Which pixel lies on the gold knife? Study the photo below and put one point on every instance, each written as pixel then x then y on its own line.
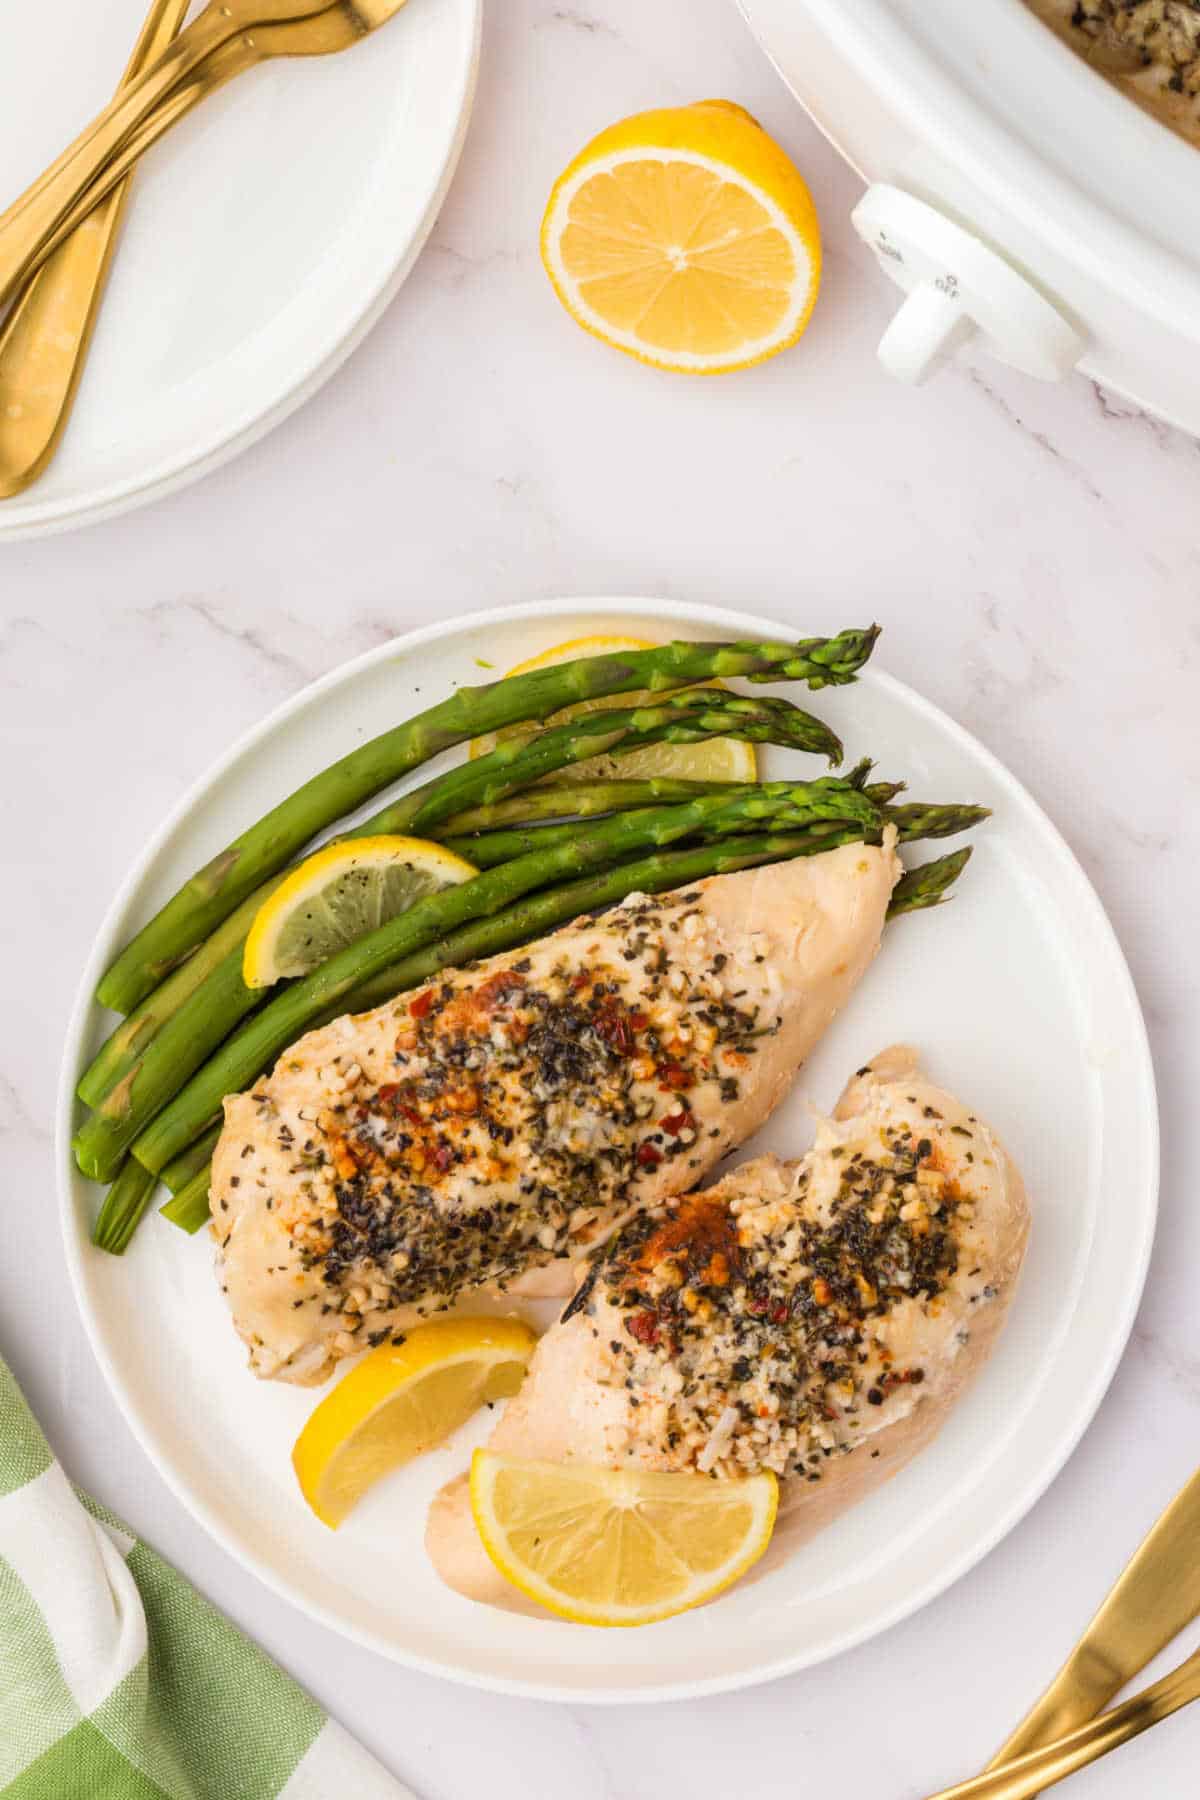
pixel 44 340
pixel 1156 1596
pixel 1031 1774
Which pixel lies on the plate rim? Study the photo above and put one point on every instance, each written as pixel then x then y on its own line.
pixel 53 518
pixel 77 1244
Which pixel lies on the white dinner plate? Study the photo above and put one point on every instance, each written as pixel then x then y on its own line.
pixel 1019 997
pixel 264 236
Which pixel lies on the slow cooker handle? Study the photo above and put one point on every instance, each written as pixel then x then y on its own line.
pixel 926 332
pixel 958 288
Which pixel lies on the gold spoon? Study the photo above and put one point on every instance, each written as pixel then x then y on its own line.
pixel 314 37
pixel 1028 1775
pixel 45 338
pixel 91 166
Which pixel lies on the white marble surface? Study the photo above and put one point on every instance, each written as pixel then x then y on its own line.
pixel 1033 555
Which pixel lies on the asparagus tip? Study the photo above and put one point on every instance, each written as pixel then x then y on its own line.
pixel 929 884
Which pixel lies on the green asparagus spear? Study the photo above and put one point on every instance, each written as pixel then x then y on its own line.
pixel 576 800
pixel 539 913
pixel 211 1014
pixel 124 1204
pixel 125 1046
pixel 225 1001
pixel 121 1050
pixel 491 848
pixel 927 884
pixel 529 919
pixel 189 1207
pixel 542 912
pixel 213 892
pixel 183 1043
pixel 188 1038
pixel 687 717
pixel 781 804
pixel 580 800
pixel 188 1164
pixel 492 775
pixel 920 820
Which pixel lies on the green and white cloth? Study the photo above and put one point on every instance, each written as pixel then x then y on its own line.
pixel 118 1682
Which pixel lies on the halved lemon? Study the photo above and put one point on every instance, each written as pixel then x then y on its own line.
pixel 617 1547
pixel 401 1400
pixel 338 895
pixel 716 759
pixel 687 238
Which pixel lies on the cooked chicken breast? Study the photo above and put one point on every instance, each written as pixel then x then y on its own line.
pixel 1149 48
pixel 816 1318
pixel 481 1133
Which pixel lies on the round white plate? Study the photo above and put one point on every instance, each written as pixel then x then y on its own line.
pixel 263 239
pixel 1021 1000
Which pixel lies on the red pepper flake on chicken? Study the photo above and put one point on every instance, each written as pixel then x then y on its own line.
pixel 480 1134
pixel 817 1318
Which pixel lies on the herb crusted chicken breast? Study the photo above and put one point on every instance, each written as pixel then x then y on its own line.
pixel 479 1134
pixel 818 1319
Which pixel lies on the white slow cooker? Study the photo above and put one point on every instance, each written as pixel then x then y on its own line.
pixel 1013 194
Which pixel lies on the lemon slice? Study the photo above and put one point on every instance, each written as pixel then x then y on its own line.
pixel 717 759
pixel 617 1547
pixel 401 1400
pixel 340 894
pixel 687 238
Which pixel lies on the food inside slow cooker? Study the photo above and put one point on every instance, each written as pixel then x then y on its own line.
pixel 1150 48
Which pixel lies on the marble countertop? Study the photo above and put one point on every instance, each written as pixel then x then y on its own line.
pixel 1033 554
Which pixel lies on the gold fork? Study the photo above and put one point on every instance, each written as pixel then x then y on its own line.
pixel 322 36
pixel 226 38
pixel 45 338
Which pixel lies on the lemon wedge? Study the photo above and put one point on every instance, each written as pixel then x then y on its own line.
pixel 338 895
pixel 401 1400
pixel 687 238
pixel 617 1547
pixel 717 759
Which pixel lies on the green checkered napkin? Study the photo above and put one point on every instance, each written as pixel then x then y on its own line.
pixel 118 1682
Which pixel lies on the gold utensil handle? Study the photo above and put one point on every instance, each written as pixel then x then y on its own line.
pixel 1028 1775
pixel 217 69
pixel 1150 1603
pixel 44 341
pixel 318 33
pixel 31 225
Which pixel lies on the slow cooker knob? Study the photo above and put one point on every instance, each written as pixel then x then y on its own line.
pixel 958 287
